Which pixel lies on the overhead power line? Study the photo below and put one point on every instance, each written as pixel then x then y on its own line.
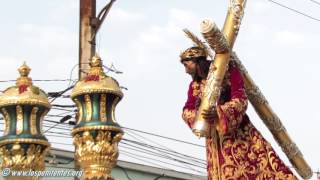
pixel 294 10
pixel 58 94
pixel 53 135
pixel 315 2
pixel 163 155
pixel 62 109
pixel 164 137
pixel 154 151
pixel 42 80
pixel 63 106
pixel 163 149
pixel 62 120
pixel 149 160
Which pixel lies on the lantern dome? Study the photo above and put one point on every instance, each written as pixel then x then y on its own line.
pixel 24 92
pixel 96 81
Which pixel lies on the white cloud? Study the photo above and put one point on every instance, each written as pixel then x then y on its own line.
pixel 53 37
pixel 257 29
pixel 153 35
pixel 182 17
pixel 163 41
pixel 9 67
pixel 259 7
pixel 64 13
pixel 50 51
pixel 289 38
pixel 121 14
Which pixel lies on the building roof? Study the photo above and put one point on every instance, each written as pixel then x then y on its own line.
pixel 64 156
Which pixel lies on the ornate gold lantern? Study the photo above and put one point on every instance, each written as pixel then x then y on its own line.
pixel 96 134
pixel 23 146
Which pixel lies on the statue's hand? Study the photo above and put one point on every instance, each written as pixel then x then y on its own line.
pixel 210 115
pixel 198 102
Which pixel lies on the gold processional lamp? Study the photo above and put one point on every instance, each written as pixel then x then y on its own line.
pixel 96 133
pixel 23 146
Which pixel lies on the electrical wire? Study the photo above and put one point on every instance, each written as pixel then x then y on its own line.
pixel 164 137
pixel 61 109
pixel 129 154
pixel 167 153
pixel 294 10
pixel 55 135
pixel 169 149
pixel 63 106
pixel 60 128
pixel 137 158
pixel 315 2
pixel 125 172
pixel 160 176
pixel 156 135
pixel 61 93
pixel 58 133
pixel 62 120
pixel 143 150
pixel 165 157
pixel 143 146
pixel 61 143
pixel 39 80
pixel 161 153
pixel 142 158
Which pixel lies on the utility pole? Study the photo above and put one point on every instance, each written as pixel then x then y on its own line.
pixel 87 46
pixel 89 26
pixel 87 30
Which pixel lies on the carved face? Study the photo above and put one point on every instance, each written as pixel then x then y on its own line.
pixel 190 67
pixel 96 61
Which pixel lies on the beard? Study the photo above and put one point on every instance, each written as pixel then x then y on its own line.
pixel 191 72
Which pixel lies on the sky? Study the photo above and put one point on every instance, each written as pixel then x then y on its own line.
pixel 144 38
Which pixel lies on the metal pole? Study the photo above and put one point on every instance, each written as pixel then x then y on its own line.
pixel 86 30
pixel 86 43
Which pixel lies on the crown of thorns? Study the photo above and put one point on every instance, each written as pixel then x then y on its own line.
pixel 193 52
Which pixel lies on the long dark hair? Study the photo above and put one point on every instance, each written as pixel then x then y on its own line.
pixel 202 68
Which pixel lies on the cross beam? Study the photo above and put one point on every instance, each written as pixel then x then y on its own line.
pixel 218 43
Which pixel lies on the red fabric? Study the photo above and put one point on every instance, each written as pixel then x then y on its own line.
pixel 191 101
pixel 240 151
pixel 231 112
pixel 23 88
pixel 92 78
pixel 237 85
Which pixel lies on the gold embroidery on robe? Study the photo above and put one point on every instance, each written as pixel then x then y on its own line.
pixel 241 151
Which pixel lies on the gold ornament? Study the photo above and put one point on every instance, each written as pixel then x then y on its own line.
pixel 101 83
pixel 24 92
pixel 97 156
pixel 191 53
pixel 18 159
